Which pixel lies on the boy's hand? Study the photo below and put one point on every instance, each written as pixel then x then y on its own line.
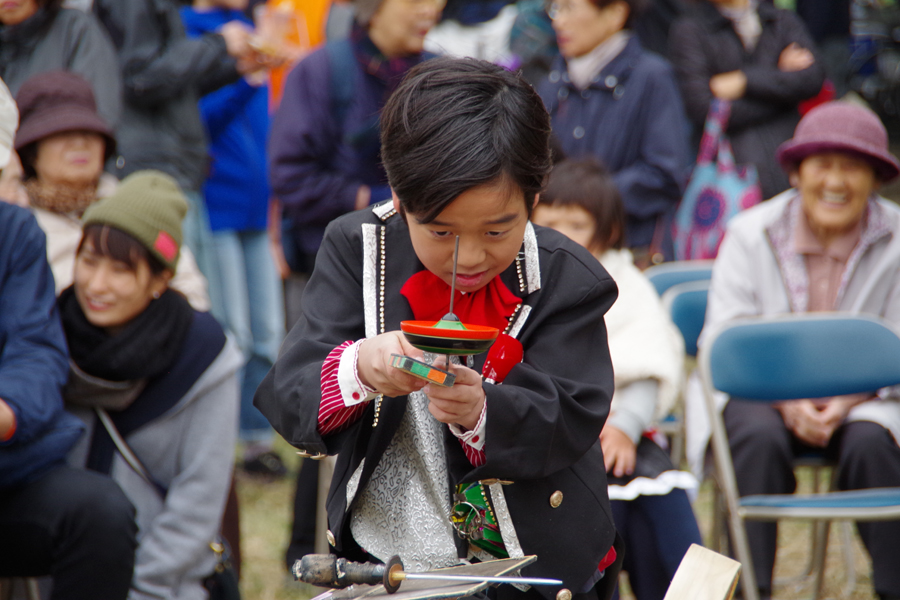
pixel 373 365
pixel 460 404
pixel 619 452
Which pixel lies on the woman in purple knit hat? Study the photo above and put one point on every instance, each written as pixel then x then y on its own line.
pixel 830 243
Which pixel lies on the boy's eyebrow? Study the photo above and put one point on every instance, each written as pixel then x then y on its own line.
pixel 498 221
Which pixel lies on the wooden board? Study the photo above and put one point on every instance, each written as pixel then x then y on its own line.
pixel 704 575
pixel 416 589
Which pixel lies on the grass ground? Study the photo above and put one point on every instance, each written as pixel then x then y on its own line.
pixel 266 519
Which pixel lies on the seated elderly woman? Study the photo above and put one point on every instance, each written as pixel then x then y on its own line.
pixel 62 143
pixel 829 243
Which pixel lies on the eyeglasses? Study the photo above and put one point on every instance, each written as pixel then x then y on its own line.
pixel 558 9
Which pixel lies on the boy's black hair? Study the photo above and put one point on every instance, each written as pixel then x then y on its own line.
pixel 454 124
pixel 119 246
pixel 588 184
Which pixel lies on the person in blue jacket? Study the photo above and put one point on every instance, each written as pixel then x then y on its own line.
pixel 236 192
pixel 611 100
pixel 74 525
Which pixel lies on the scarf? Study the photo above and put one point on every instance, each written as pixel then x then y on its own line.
pixel 145 347
pixel 388 70
pixel 745 22
pixel 583 69
pixel 203 341
pixel 60 198
pixel 429 298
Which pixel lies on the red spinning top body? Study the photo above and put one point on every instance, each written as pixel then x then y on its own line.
pixel 505 353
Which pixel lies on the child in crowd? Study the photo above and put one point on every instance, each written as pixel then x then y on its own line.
pixel 466 148
pixel 650 506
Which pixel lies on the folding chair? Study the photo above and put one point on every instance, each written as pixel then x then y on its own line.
pixel 666 275
pixel 686 305
pixel 787 357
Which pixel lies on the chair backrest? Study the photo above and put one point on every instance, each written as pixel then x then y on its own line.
pixel 668 274
pixel 802 356
pixel 686 305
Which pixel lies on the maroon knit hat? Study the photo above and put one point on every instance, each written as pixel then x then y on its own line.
pixel 841 127
pixel 55 102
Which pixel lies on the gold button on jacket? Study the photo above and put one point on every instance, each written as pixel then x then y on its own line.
pixel 563 594
pixel 330 537
pixel 556 499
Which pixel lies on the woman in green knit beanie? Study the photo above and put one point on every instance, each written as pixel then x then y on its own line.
pixel 149 372
pixel 138 227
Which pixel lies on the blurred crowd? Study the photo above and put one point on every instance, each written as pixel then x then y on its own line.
pixel 170 170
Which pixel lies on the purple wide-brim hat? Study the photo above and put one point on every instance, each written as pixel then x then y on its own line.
pixel 56 102
pixel 841 127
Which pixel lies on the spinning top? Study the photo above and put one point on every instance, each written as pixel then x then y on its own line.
pixel 449 335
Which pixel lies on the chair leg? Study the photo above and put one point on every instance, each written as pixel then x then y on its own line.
pixel 820 555
pixel 31 589
pixel 742 552
pixel 718 537
pixel 849 562
pixel 678 448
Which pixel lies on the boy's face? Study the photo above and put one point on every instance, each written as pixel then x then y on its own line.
pixel 490 221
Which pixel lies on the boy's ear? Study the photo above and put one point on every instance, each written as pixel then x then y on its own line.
pixel 395 200
pixel 537 198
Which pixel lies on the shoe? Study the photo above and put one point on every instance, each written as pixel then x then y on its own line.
pixel 268 464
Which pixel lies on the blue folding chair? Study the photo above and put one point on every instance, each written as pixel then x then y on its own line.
pixel 665 275
pixel 787 357
pixel 686 305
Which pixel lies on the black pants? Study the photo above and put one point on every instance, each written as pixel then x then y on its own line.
pixel 763 452
pixel 74 525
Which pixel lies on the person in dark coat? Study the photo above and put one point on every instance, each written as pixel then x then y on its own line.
pixel 611 100
pixel 466 147
pixel 758 57
pixel 50 38
pixel 164 74
pixel 324 146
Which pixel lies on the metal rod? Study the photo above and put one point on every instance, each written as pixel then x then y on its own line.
pixel 477 578
pixel 452 291
pixel 453 283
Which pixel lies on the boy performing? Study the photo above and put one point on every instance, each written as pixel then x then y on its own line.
pixel 465 146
